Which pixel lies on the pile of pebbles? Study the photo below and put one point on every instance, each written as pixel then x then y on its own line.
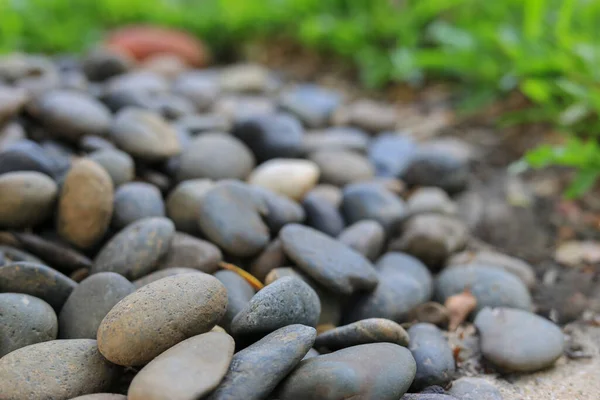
pixel 170 233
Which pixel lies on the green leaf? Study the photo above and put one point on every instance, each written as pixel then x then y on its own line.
pixel 583 181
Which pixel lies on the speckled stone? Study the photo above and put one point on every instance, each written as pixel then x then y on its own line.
pixel 469 388
pixel 366 237
pixel 230 216
pixel 277 354
pixel 376 371
pixel 328 261
pixel 163 273
pixel 89 303
pixel 340 167
pixel 433 355
pixel 286 301
pixel 58 369
pixel 25 320
pixel 189 370
pixel 491 286
pixel 322 215
pixel 189 252
pixel 134 201
pixel 167 311
pixel 517 340
pixel 290 177
pixel 117 163
pixel 281 210
pixel 372 330
pixel 183 204
pixel 36 280
pixel 136 250
pixel 239 294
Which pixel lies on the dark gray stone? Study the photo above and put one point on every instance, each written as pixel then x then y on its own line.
pixel 281 210
pixel 25 155
pixel 239 294
pixel 134 201
pixel 433 355
pixel 366 236
pixel 201 123
pixel 322 215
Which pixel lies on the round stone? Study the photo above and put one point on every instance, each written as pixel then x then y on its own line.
pixel 86 204
pixel 366 237
pixel 136 250
pixel 322 214
pixel 517 340
pixel 289 177
pixel 183 204
pixel 167 312
pixel 190 252
pixel 281 210
pixel 285 302
pixel 36 280
pixel 372 330
pixel 134 201
pixel 215 156
pixel 144 134
pixel 89 303
pixel 328 261
pixel 312 104
pixel 26 199
pixel 25 320
pixel 396 263
pixel 189 370
pixel 277 354
pixel 239 294
pixel 163 273
pixel 433 355
pixel 391 154
pixel 58 369
pixel 341 168
pixel 382 371
pixel 118 164
pixel 430 200
pixel 470 388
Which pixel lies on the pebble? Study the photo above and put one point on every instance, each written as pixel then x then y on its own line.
pixel 167 65
pixel 118 164
pixel 376 371
pixel 12 101
pixel 168 311
pixel 10 133
pixel 366 236
pixel 312 104
pixel 372 330
pixel 36 280
pixel 270 258
pixel 250 78
pixel 190 252
pixel 189 370
pixel 335 138
pixel 277 354
pixel 371 116
pixel 25 320
pixel 163 273
pixel 91 143
pixel 239 108
pixel 199 87
pixel 433 355
pixel 391 154
pixel 71 114
pixel 11 254
pixel 134 201
pixel 469 388
pixel 100 64
pixel 284 302
pixel 322 215
pixel 25 155
pixel 183 204
pixel 428 396
pixel 367 201
pixel 239 294
pixel 215 156
pixel 328 261
pixel 27 199
pixel 491 286
pixel 144 135
pixel 517 340
pixel 101 396
pixel 271 135
pixel 137 249
pixel 85 205
pixel 432 238
pixel 289 177
pixel 341 168
pixel 137 81
pixel 281 210
pixel 430 200
pixel 230 216
pixel 89 303
pixel 200 123
pixel 404 264
pixel 58 369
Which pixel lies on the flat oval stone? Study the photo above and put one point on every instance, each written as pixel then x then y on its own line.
pixel 286 301
pixel 281 210
pixel 36 280
pixel 372 116
pixel 312 104
pixel 270 258
pixel 517 340
pixel 136 250
pixel 101 396
pixel 239 294
pixel 372 330
pixel 215 156
pixel 89 303
pixel 277 354
pixel 430 200
pixel 289 177
pixel 335 138
pixel 86 204
pixel 117 163
pixel 188 370
pixel 27 198
pixel 491 286
pixel 376 371
pixel 271 135
pixel 163 273
pixel 366 237
pixel 183 204
pixel 54 253
pixel 322 214
pixel 230 216
pixel 433 355
pixel 58 369
pixel 25 320
pixel 469 388
pixel 392 263
pixel 144 134
pixel 341 168
pixel 180 307
pixel 391 154
pixel 367 201
pixel 26 155
pixel 328 261
pixel 190 252
pixel 71 114
pixel 134 201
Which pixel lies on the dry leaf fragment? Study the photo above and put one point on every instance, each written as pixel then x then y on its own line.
pixel 460 306
pixel 255 283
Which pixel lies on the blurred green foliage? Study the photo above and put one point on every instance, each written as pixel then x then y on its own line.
pixel 547 49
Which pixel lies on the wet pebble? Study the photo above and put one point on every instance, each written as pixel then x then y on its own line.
pixel 433 355
pixel 372 330
pixel 134 201
pixel 183 204
pixel 312 104
pixel 190 252
pixel 340 168
pixel 366 236
pixel 469 388
pixel 118 164
pixel 367 201
pixel 289 177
